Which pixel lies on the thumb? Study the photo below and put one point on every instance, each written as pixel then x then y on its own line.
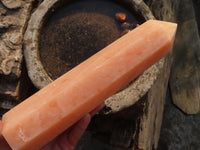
pixel 3 144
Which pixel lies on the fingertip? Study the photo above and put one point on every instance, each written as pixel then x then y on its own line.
pixel 85 120
pixel 97 109
pixel 101 105
pixel 1 126
pixel 3 144
pixel 78 130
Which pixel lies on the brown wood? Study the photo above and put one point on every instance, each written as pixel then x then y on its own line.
pixel 13 20
pixel 150 122
pixel 185 76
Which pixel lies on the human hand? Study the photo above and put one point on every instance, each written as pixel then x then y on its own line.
pixel 68 139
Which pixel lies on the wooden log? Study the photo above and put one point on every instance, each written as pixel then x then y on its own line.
pixel 150 122
pixel 185 75
pixel 13 19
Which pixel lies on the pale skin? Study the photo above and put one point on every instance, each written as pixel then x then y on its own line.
pixel 68 139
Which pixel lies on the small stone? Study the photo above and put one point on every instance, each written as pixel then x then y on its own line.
pixel 125 32
pixel 126 25
pixel 121 17
pixel 12 4
pixel 135 25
